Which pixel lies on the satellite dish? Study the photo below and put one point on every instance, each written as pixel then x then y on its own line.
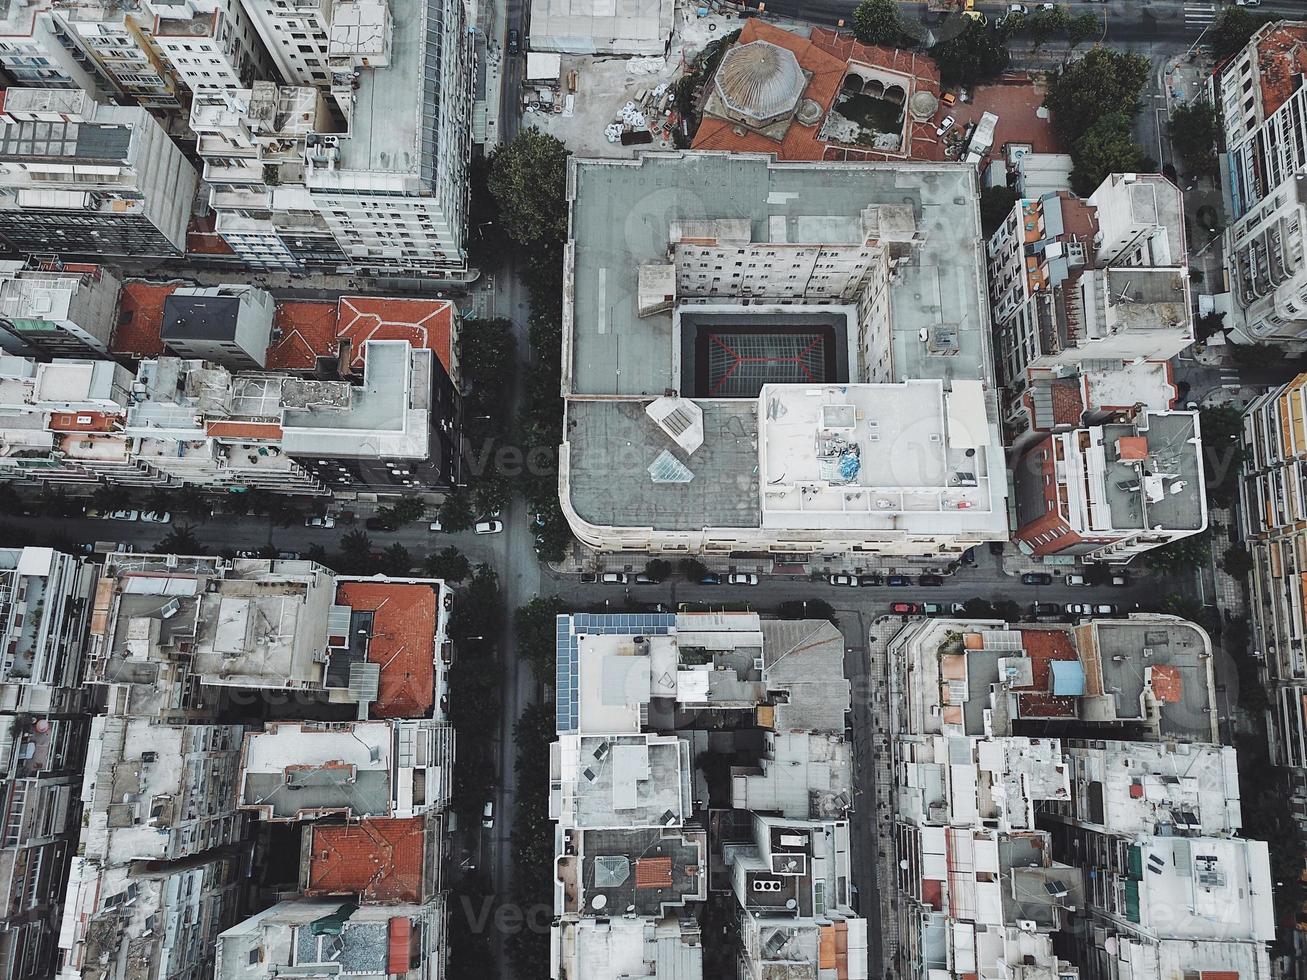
pixel 599 901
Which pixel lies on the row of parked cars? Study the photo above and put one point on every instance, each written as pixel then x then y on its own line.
pixel 146 516
pixel 1043 578
pixel 870 581
pixel 624 578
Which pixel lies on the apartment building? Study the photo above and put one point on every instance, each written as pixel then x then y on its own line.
pixel 36 53
pixel 1088 291
pixel 1112 491
pixel 300 771
pixel 635 695
pixel 357 188
pixel 41 761
pixel 1263 109
pixel 1272 510
pixel 50 308
pixel 82 178
pixel 227 325
pixel 789 364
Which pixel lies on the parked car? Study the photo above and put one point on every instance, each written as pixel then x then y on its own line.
pixel 247 553
pixel 122 515
pixel 867 581
pixel 1036 578
pixel 614 578
pixel 742 578
pixel 1046 609
pixel 514 42
pixel 905 608
pixel 589 578
pixel 156 516
pixel 1247 3
pixel 488 815
pixel 958 608
pixel 1106 609
pixel 643 579
pixel 288 555
pixel 1018 8
pixel 898 580
pixel 842 579
pixel 377 524
pixel 948 123
pixel 487 527
pixel 712 578
pixel 435 526
pixel 969 556
pixel 1051 7
pixel 1078 609
pixel 931 608
pixel 1119 579
pixel 930 579
pixel 320 520
pixel 1075 579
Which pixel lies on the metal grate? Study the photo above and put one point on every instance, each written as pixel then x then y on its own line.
pixel 739 364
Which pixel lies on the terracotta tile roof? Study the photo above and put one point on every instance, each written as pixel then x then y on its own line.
pixel 1043 647
pixel 244 430
pixel 399 958
pixel 1068 406
pixel 422 322
pixel 1281 61
pixel 1166 682
pixel 99 422
pixel 1132 447
pixel 140 318
pixel 308 331
pixel 379 860
pixel 653 872
pixel 403 643
pixel 1018 102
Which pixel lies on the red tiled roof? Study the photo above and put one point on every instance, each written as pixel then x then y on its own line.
pixel 1018 102
pixel 68 421
pixel 140 318
pixel 399 959
pixel 1281 60
pixel 403 643
pixel 1132 447
pixel 1068 406
pixel 201 239
pixel 308 331
pixel 653 872
pixel 422 322
pixel 1166 683
pixel 379 860
pixel 244 430
pixel 1043 647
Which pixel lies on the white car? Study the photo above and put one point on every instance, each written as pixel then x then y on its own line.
pixel 948 123
pixel 1078 609
pixel 488 815
pixel 742 578
pixel 123 515
pixel 156 516
pixel 1050 7
pixel 1018 8
pixel 614 578
pixel 1247 3
pixel 842 579
pixel 320 521
pixel 488 527
pixel 434 526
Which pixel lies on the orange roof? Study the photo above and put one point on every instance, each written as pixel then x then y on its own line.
pixel 403 643
pixel 1043 647
pixel 202 239
pixel 380 860
pixel 1132 447
pixel 826 948
pixel 140 319
pixel 1018 102
pixel 71 422
pixel 243 430
pixel 308 331
pixel 800 142
pixel 1068 406
pixel 653 872
pixel 422 322
pixel 1281 59
pixel 401 935
pixel 1166 683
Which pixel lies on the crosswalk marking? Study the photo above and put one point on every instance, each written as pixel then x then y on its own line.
pixel 1199 15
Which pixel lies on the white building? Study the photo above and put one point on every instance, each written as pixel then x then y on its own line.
pixel 77 177
pixel 793 360
pixel 36 53
pixel 57 309
pixel 614 27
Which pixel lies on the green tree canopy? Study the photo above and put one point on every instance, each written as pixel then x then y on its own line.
pixel 658 569
pixel 355 553
pixel 456 512
pixel 995 205
pixel 181 540
pixel 1182 556
pixel 396 560
pixel 1106 147
pixel 528 179
pixel 448 564
pixel 1233 29
pixel 1237 561
pixel 1195 133
pixel 1103 82
pixel 970 52
pixel 877 22
pixel 536 634
pixel 1083 27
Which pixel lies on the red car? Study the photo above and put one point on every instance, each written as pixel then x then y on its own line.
pixel 905 608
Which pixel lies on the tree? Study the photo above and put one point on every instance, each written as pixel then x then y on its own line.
pixel 877 22
pixel 1237 561
pixel 1106 147
pixel 979 609
pixel 406 510
pixel 1102 83
pixel 693 569
pixel 396 561
pixel 1222 428
pixel 456 512
pixel 108 497
pixel 528 179
pixel 1208 324
pixel 1182 556
pixel 10 501
pixel 492 494
pixel 55 503
pixel 536 633
pixel 478 610
pixel 658 569
pixel 1232 31
pixel 1043 24
pixel 284 511
pixel 995 205
pixel 487 244
pixel 181 540
pixel 355 553
pixel 1082 28
pixel 971 52
pixel 1195 132
pixel 317 553
pixel 448 564
pixel 1257 355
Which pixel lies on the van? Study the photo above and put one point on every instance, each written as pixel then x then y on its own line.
pixel 1074 579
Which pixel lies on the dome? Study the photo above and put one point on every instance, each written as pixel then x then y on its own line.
pixel 760 81
pixel 922 105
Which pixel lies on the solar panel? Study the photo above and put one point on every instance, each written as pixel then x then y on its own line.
pixel 569 628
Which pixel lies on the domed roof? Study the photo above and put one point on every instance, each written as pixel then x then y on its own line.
pixel 922 105
pixel 760 81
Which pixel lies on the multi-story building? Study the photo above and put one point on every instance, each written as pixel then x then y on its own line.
pixel 1273 510
pixel 297 771
pixel 1112 491
pixel 793 360
pixel 57 309
pixel 81 178
pixel 36 53
pixel 1263 108
pixel 41 760
pixel 1088 288
pixel 228 325
pixel 45 606
pixel 358 189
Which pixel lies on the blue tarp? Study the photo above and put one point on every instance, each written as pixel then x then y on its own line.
pixel 1068 678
